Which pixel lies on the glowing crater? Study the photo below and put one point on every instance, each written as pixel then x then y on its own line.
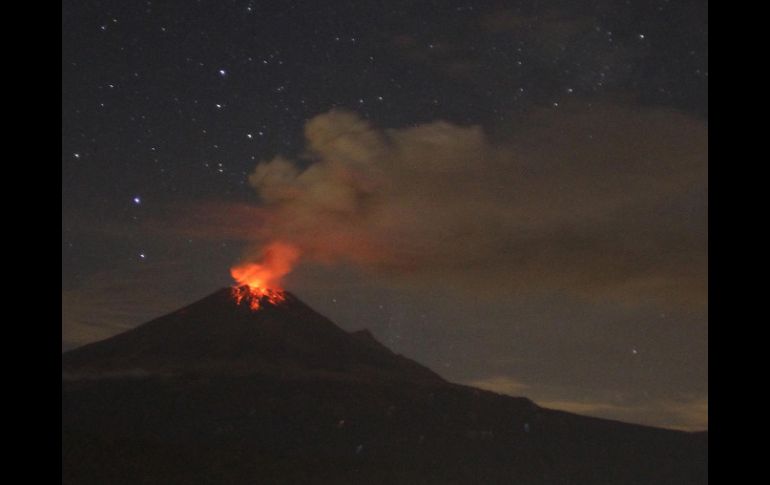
pixel 256 297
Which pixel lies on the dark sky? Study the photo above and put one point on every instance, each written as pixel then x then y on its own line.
pixel 512 193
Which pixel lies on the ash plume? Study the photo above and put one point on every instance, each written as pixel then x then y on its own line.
pixel 570 200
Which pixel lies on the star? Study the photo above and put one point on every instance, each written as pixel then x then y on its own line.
pixel 137 200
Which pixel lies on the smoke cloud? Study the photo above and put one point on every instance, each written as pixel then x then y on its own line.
pixel 276 261
pixel 572 200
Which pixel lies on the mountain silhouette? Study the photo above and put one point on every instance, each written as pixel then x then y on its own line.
pixel 217 335
pixel 215 393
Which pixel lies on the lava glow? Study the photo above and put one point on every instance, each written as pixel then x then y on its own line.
pixel 255 297
pixel 260 282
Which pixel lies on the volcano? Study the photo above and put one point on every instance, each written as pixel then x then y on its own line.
pixel 223 333
pixel 228 391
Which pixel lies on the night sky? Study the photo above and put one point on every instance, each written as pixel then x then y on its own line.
pixel 512 193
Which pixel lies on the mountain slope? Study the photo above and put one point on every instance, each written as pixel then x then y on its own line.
pixel 217 335
pixel 215 393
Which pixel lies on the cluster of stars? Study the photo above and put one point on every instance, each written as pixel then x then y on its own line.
pixel 163 98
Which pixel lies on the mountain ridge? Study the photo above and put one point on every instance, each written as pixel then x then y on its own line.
pixel 217 393
pixel 216 334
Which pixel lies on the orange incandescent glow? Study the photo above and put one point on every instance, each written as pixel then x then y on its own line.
pixel 260 282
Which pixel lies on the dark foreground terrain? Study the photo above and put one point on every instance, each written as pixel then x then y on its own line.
pixel 217 394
